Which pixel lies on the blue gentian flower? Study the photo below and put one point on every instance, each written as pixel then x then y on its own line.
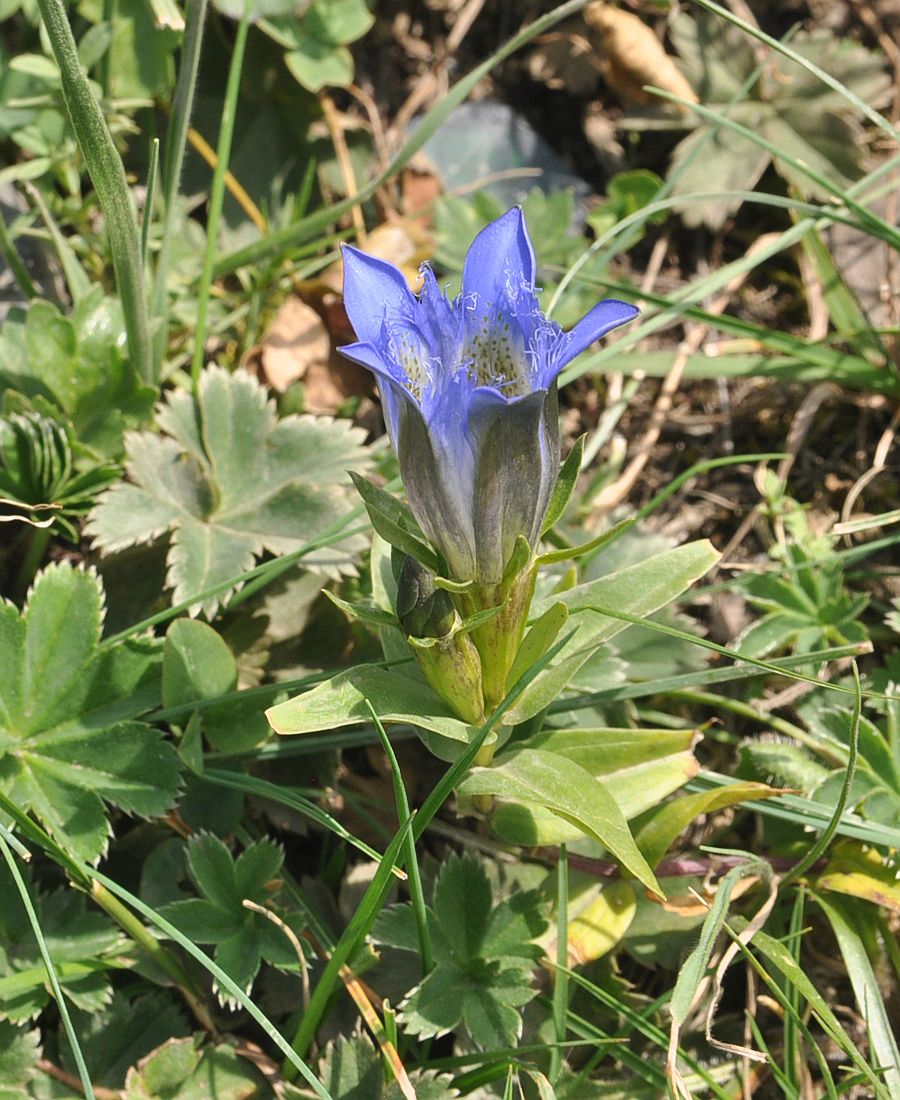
pixel 468 389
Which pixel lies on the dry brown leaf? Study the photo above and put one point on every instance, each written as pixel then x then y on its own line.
pixel 697 903
pixel 405 246
pixel 297 340
pixel 634 55
pixel 565 61
pixel 326 386
pixel 420 185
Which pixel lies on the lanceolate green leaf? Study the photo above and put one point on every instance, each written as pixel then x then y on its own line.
pixel 567 790
pixel 637 590
pixel 691 973
pixel 341 701
pixel 565 485
pixel 393 520
pixel 656 831
pixel 639 768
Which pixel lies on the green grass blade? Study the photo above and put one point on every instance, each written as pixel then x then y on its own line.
pixel 108 177
pixel 217 192
pixel 733 654
pixel 779 957
pixel 817 850
pixel 686 681
pixel 806 813
pixel 359 925
pixel 173 162
pixel 561 983
pixel 781 47
pixel 872 223
pixel 234 991
pixel 76 279
pixel 846 922
pixel 10 254
pixel 249 784
pixel 150 199
pixel 790 1029
pixel 416 892
pixel 640 1023
pixel 613 240
pixel 59 997
pixel 282 241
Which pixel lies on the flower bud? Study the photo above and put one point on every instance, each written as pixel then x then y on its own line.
pixel 444 652
pixel 424 611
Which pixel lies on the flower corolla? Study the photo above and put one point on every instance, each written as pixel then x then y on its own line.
pixel 468 389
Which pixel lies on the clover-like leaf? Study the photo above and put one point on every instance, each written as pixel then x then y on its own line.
pixel 69 739
pixel 484 956
pixel 229 482
pixel 242 937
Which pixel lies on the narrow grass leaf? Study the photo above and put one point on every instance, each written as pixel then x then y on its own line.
pixel 108 176
pixel 360 923
pixel 416 891
pixel 847 920
pixel 62 1006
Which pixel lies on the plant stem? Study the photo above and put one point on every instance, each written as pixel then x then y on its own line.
pixel 14 262
pixel 217 194
pixel 176 142
pixel 108 177
pixel 416 893
pixel 163 958
pixel 745 710
pixel 147 219
pixel 561 988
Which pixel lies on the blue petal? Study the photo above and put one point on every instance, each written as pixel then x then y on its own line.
pixel 373 288
pixel 603 318
pixel 501 255
pixel 367 355
pixel 390 385
pixel 434 307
